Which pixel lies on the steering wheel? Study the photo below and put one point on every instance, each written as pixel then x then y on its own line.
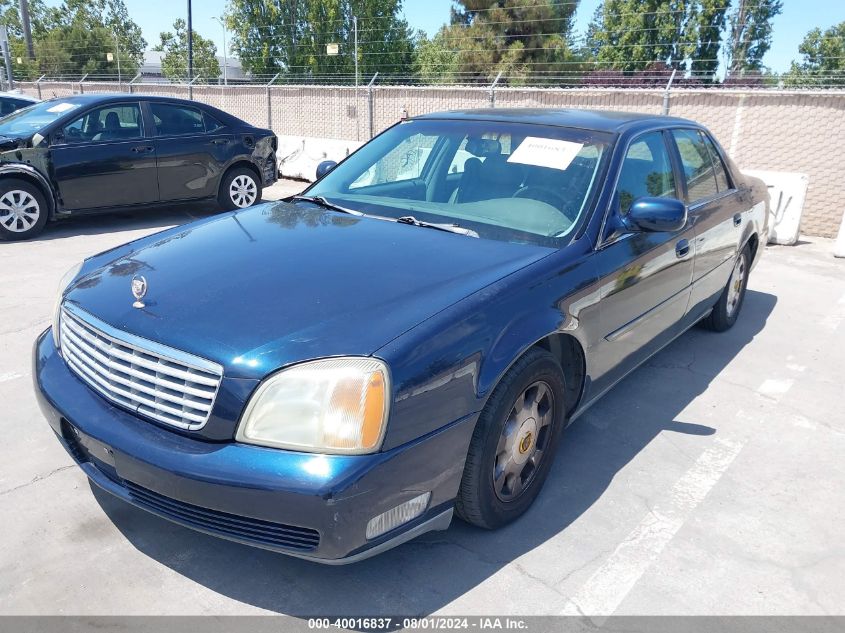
pixel 73 132
pixel 543 194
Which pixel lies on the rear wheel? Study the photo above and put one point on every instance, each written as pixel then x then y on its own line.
pixel 727 308
pixel 514 441
pixel 239 189
pixel 23 209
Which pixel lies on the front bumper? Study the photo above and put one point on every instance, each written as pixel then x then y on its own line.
pixel 306 505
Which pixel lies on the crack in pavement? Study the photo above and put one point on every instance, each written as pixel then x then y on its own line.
pixel 37 478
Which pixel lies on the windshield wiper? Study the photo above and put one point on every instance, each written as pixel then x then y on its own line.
pixel 451 228
pixel 322 202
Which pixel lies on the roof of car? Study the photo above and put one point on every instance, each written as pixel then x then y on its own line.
pixel 598 120
pixel 99 98
pixel 114 96
pixel 18 95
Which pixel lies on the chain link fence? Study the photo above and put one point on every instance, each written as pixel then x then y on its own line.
pixel 774 130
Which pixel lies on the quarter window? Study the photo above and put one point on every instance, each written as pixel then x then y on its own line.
pixel 697 165
pixel 175 120
pixel 111 123
pixel 646 171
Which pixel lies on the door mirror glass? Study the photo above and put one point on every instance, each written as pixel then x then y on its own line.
pixel 657 214
pixel 325 167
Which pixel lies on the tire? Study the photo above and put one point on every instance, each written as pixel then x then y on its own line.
pixel 23 210
pixel 240 188
pixel 485 498
pixel 727 308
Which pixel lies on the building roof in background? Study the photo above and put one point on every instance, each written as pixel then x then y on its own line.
pixel 151 68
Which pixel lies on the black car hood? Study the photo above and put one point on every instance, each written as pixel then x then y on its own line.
pixel 280 283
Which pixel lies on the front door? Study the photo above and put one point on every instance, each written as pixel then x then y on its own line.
pixel 645 275
pixel 103 159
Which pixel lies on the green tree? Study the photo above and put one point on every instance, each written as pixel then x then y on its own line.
pixel 525 40
pixel 750 34
pixel 631 34
pixel 823 62
pixel 291 37
pixel 701 36
pixel 75 38
pixel 435 62
pixel 174 63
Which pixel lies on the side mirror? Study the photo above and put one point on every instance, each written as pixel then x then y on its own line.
pixel 657 214
pixel 325 167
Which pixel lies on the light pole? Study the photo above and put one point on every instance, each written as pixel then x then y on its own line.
pixel 190 48
pixel 225 64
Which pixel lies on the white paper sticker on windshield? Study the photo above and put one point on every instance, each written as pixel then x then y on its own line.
pixel 61 107
pixel 545 152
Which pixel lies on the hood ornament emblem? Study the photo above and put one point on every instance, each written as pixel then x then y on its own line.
pixel 139 290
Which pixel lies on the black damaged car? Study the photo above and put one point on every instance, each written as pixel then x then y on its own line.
pixel 96 153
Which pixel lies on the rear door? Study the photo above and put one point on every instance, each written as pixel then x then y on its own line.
pixel 103 158
pixel 192 148
pixel 645 275
pixel 715 211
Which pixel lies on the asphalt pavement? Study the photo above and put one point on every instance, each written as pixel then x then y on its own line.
pixel 710 481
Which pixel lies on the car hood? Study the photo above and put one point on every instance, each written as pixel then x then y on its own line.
pixel 280 283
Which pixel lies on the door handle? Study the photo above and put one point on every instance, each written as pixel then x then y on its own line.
pixel 682 248
pixel 138 149
pixel 221 141
pixel 737 219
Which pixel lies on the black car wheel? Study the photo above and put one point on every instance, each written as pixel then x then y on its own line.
pixel 513 444
pixel 239 189
pixel 23 210
pixel 727 308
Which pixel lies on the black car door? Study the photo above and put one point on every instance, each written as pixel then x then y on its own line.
pixel 716 214
pixel 645 275
pixel 193 150
pixel 103 158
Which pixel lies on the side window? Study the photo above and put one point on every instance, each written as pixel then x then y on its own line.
pixel 111 123
pixel 403 162
pixel 718 165
pixel 177 120
pixel 211 124
pixel 697 165
pixel 646 171
pixel 7 106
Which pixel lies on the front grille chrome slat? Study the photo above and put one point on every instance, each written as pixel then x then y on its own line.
pixel 159 382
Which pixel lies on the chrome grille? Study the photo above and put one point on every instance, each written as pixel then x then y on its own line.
pixel 147 378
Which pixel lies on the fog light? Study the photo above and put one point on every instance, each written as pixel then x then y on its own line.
pixel 397 516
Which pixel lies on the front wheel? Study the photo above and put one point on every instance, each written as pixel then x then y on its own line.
pixel 239 189
pixel 726 310
pixel 514 441
pixel 23 210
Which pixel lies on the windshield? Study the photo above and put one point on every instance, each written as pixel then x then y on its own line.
pixel 35 117
pixel 508 181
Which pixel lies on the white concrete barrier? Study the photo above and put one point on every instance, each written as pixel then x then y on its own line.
pixel 787 191
pixel 299 155
pixel 839 245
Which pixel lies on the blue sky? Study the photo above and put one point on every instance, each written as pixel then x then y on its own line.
pixel 798 17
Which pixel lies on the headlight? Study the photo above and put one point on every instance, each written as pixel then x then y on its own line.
pixel 69 276
pixel 335 405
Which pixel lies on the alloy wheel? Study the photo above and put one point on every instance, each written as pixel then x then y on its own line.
pixel 243 191
pixel 735 285
pixel 19 211
pixel 523 441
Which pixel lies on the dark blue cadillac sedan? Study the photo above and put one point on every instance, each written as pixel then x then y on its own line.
pixel 334 374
